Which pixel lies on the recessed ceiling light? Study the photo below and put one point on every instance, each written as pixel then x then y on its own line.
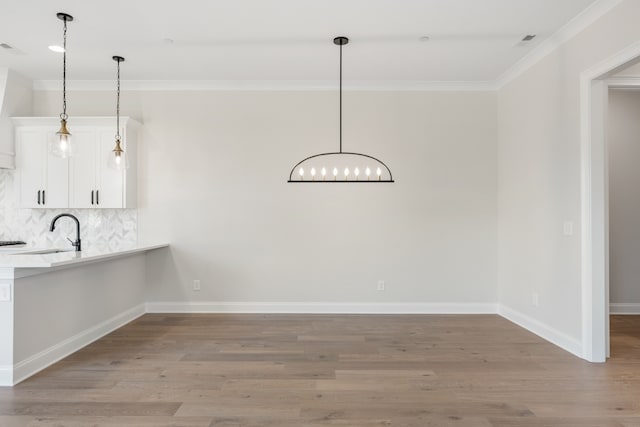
pixel 424 39
pixel 56 48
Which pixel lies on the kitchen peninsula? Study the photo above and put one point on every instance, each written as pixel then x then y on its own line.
pixel 52 304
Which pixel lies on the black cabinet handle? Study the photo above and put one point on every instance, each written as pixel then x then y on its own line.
pixel 43 199
pixel 91 196
pixel 38 196
pixel 97 197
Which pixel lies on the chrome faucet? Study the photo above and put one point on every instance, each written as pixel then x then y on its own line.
pixel 76 244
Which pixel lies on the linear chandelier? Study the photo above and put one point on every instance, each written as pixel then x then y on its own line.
pixel 340 166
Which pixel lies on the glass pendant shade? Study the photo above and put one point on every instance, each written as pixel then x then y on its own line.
pixel 61 145
pixel 118 158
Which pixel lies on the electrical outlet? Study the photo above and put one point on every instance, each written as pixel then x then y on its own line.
pixel 381 285
pixel 535 300
pixel 196 285
pixel 567 228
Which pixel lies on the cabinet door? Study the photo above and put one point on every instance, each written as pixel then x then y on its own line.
pixel 82 169
pixel 110 182
pixel 31 165
pixel 56 178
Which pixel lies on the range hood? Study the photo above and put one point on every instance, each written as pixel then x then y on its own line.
pixel 16 99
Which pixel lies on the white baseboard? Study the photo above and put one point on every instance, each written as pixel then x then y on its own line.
pixel 543 330
pixel 320 308
pixel 25 368
pixel 51 355
pixel 624 308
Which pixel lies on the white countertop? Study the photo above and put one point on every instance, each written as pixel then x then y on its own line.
pixel 17 258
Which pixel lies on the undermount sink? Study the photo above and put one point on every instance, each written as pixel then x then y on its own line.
pixel 43 252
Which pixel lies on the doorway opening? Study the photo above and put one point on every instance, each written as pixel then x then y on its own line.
pixel 595 84
pixel 623 157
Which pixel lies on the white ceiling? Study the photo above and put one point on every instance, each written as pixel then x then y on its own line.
pixel 471 40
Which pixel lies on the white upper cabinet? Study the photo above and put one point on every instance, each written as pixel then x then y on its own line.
pixel 85 179
pixel 44 179
pixel 92 183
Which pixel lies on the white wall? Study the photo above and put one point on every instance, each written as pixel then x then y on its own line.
pixel 624 196
pixel 16 100
pixel 213 177
pixel 539 176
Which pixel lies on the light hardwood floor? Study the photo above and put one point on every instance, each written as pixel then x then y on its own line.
pixel 331 370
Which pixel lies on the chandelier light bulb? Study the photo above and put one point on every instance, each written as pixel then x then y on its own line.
pixel 367 172
pixel 301 173
pixel 323 172
pixel 346 173
pixel 379 173
pixel 356 173
pixel 313 173
pixel 335 173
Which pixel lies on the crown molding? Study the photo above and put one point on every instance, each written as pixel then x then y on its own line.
pixel 263 85
pixel 566 32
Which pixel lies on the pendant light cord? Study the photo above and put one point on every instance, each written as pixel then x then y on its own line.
pixel 64 116
pixel 118 105
pixel 341 98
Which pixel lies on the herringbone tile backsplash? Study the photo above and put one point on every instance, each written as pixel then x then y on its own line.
pixel 99 228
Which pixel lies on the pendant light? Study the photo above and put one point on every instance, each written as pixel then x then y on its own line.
pixel 61 145
pixel 349 163
pixel 118 160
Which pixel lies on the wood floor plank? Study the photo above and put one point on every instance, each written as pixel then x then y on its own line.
pixel 234 370
pixel 89 408
pixel 199 409
pixel 550 422
pixel 115 421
